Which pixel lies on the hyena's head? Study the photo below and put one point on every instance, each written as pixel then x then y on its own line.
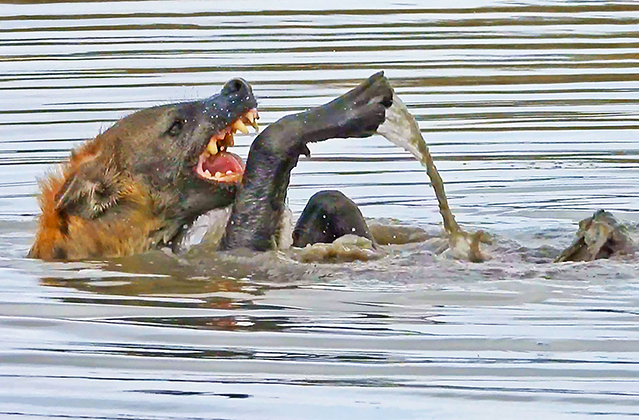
pixel 171 161
pixel 180 150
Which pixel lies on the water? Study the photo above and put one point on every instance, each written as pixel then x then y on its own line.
pixel 530 111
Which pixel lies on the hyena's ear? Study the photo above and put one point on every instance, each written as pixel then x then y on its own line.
pixel 89 191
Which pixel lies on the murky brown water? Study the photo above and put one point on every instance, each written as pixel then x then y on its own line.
pixel 531 110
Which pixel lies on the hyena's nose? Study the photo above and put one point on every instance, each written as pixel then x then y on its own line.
pixel 237 87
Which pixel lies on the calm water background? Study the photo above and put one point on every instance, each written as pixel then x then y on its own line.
pixel 531 110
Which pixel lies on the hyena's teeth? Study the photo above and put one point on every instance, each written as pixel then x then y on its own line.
pixel 229 140
pixel 239 126
pixel 212 147
pixel 218 175
pixel 229 172
pixel 208 173
pixel 250 118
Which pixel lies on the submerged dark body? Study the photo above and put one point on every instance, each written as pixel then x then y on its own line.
pixel 329 215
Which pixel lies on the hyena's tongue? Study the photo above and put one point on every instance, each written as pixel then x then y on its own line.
pixel 223 163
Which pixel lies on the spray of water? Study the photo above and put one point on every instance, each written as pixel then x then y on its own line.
pixel 401 129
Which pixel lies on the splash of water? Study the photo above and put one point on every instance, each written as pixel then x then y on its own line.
pixel 401 129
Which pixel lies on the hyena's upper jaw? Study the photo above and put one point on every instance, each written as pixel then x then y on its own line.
pixel 215 163
pixel 229 112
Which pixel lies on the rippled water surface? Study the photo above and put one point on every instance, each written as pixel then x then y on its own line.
pixel 531 111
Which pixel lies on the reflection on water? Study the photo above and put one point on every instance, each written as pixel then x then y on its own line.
pixel 530 111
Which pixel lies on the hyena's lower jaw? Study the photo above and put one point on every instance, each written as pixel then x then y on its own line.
pixel 215 163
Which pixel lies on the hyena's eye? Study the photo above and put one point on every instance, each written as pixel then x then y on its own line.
pixel 176 128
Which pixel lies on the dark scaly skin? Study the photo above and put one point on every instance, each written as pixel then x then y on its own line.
pixel 258 208
pixel 329 215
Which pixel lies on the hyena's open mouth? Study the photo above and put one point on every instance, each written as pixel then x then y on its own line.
pixel 215 162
